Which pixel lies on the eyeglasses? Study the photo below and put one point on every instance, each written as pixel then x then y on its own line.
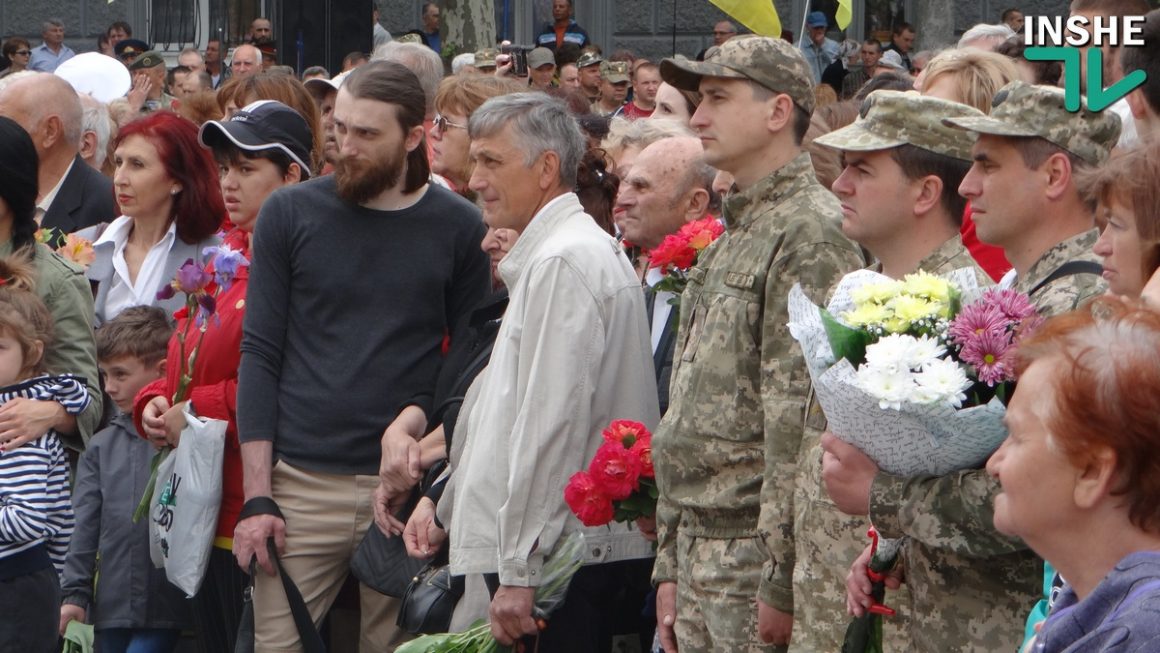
pixel 716 33
pixel 443 123
pixel 23 52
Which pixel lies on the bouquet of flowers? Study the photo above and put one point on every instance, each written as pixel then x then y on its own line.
pixel 559 568
pixel 913 377
pixel 201 288
pixel 619 483
pixel 678 252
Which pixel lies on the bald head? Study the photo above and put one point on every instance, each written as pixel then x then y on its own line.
pixel 247 61
pixel 47 107
pixel 667 186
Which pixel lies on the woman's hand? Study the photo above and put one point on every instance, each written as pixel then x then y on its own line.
pixel 23 420
pixel 153 421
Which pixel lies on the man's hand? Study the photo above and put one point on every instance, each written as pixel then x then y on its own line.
pixel 421 536
pixel 142 86
pixel 858 583
pixel 70 612
pixel 250 537
pixel 773 625
pixel 848 474
pixel 648 527
pixel 23 420
pixel 667 615
pixel 400 467
pixel 511 614
pixel 153 421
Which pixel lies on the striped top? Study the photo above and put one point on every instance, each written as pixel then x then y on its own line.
pixel 35 504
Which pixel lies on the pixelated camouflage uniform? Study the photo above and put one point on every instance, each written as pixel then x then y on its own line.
pixel 972 586
pixel 726 451
pixel 827 540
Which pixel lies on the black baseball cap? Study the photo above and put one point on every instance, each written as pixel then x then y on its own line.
pixel 264 125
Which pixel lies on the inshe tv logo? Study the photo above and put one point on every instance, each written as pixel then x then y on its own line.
pixel 1079 33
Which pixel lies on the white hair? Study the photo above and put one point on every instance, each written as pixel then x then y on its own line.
pixel 95 118
pixel 985 36
pixel 461 61
pixel 419 59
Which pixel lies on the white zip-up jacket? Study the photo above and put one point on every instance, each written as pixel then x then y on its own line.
pixel 572 354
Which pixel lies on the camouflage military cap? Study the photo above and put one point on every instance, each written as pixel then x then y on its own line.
pixel 1022 109
pixel 772 63
pixel 485 58
pixel 409 37
pixel 892 118
pixel 615 72
pixel 147 59
pixel 588 59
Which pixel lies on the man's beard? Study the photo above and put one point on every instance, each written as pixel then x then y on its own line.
pixel 358 182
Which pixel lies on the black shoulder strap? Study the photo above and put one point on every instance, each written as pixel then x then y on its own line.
pixel 1069 269
pixel 308 635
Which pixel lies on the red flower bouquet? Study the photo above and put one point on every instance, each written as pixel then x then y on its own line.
pixel 678 252
pixel 619 483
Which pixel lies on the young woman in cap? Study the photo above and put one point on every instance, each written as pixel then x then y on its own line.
pixel 263 147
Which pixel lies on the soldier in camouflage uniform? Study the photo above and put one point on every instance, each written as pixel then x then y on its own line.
pixel 899 194
pixel 1025 200
pixel 726 451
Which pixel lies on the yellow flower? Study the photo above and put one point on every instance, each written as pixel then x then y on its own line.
pixel 927 286
pixel 866 314
pixel 878 293
pixel 909 308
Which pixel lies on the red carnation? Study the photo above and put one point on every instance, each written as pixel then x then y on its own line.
pixel 642 449
pixel 615 470
pixel 586 500
pixel 626 432
pixel 701 233
pixel 673 252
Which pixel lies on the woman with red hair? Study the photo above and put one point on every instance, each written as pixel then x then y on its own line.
pixel 167 187
pixel 1080 474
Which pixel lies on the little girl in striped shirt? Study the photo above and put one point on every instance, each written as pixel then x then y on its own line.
pixel 36 517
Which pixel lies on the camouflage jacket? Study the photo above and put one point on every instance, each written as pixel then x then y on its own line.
pixel 726 451
pixel 969 582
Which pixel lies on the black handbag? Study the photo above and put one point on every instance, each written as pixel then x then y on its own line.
pixel 310 639
pixel 382 564
pixel 430 601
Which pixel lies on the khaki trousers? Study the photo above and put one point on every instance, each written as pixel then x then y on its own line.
pixel 327 516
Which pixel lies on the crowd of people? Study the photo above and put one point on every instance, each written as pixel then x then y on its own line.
pixel 424 294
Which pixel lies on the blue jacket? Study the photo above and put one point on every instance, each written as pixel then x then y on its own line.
pixel 574 34
pixel 1122 614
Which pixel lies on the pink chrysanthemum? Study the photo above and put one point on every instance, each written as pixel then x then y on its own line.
pixel 990 354
pixel 1014 304
pixel 977 319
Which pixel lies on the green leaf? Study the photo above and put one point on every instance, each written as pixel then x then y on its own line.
pixel 847 342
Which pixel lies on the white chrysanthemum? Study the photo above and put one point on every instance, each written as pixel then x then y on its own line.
pixel 923 350
pixel 890 385
pixel 892 352
pixel 944 381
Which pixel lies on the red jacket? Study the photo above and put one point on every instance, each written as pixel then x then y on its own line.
pixel 214 388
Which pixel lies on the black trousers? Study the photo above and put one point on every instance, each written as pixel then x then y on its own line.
pixel 217 606
pixel 30 612
pixel 602 601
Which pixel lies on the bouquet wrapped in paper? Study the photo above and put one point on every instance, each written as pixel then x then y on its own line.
pixel 915 373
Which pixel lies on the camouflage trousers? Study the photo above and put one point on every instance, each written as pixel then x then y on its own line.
pixel 826 542
pixel 975 605
pixel 717 583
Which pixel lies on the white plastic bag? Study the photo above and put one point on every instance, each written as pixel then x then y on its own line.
pixel 186 499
